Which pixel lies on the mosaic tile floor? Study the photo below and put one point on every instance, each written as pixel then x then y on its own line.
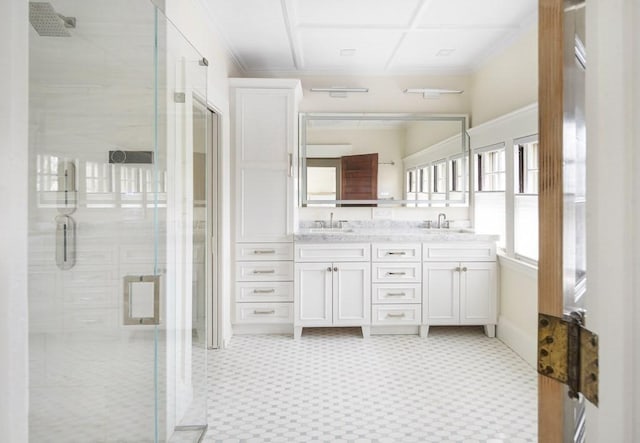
pixel 455 386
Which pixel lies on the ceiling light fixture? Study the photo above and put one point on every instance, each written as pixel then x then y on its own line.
pixel 348 52
pixel 432 92
pixel 338 91
pixel 444 52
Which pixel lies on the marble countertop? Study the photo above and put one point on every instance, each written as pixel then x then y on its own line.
pixel 326 235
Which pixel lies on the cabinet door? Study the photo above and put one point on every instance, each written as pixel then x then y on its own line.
pixel 313 294
pixel 478 297
pixel 440 298
pixel 351 294
pixel 264 139
pixel 263 205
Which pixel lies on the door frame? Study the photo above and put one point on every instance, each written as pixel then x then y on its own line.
pixel 214 231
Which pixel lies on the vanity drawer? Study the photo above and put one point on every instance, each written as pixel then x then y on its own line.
pixel 396 272
pixel 396 252
pixel 396 293
pixel 264 313
pixel 264 251
pixel 332 252
pixel 264 271
pixel 264 292
pixel 396 315
pixel 459 251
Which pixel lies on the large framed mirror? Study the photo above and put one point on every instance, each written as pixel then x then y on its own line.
pixel 370 159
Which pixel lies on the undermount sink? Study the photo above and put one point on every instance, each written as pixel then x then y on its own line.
pixel 448 230
pixel 330 230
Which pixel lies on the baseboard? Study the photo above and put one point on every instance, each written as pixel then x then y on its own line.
pixel 520 342
pixel 262 329
pixel 395 330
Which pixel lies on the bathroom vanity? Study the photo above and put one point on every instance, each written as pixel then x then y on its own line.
pixel 394 280
pixel 388 277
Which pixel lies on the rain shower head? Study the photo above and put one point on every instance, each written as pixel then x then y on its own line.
pixel 47 22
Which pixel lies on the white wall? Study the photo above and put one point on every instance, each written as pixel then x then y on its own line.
pixel 517 321
pixel 518 283
pixel 13 223
pixel 613 194
pixel 506 81
pixel 423 135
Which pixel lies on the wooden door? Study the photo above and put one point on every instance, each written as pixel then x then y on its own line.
pixel 359 178
pixel 561 268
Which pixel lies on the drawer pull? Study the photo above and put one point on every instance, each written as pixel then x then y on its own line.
pixel 395 294
pixel 396 273
pixel 397 253
pixel 264 311
pixel 264 291
pixel 270 271
pixel 390 315
pixel 264 251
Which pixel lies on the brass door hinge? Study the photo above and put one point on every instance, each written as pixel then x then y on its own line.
pixel 568 352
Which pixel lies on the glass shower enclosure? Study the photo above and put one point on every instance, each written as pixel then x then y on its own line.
pixel 115 355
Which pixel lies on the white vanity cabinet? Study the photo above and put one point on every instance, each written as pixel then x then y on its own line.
pixel 456 290
pixel 264 132
pixel 264 284
pixel 265 136
pixel 396 295
pixel 332 286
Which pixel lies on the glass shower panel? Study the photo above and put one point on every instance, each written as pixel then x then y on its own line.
pixel 109 143
pixel 184 86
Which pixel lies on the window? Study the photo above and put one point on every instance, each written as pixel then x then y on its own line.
pixel 490 173
pixel 491 168
pixel 527 158
pixel 456 181
pixel 525 205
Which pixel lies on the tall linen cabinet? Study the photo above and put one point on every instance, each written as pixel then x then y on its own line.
pixel 264 129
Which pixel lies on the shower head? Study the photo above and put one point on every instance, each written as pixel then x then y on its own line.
pixel 47 22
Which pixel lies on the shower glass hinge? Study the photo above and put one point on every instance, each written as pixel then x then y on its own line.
pixel 568 353
pixel 179 97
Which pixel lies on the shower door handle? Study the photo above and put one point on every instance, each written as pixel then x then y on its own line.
pixel 65 242
pixel 141 304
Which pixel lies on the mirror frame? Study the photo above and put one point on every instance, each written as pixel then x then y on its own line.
pixel 305 117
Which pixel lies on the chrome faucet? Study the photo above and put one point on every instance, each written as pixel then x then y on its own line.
pixel 441 220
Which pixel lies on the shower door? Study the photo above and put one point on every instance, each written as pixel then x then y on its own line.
pixel 110 229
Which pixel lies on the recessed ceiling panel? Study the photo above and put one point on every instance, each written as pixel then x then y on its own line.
pixel 256 33
pixel 477 13
pixel 321 49
pixel 420 50
pixel 355 12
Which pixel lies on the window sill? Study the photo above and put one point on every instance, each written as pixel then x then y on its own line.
pixel 518 265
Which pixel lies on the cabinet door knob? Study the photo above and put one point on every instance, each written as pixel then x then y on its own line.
pixel 329 269
pixel 335 269
pixel 458 269
pixel 464 269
